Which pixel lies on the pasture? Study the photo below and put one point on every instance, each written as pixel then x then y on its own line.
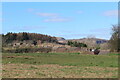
pixel 59 65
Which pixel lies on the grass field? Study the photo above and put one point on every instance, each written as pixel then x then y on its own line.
pixel 59 65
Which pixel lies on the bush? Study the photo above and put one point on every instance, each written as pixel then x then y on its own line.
pixel 28 50
pixel 76 44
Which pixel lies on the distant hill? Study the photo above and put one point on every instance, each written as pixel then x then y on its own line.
pixel 90 41
pixel 24 40
pixel 34 38
pixel 60 38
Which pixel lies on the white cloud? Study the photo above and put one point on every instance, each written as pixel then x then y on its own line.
pixel 47 14
pixel 27 28
pixel 79 12
pixel 71 35
pixel 50 17
pixel 101 30
pixel 57 19
pixel 30 10
pixel 1 19
pixel 111 13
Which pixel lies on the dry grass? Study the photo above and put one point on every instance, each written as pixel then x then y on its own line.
pixel 56 71
pixel 59 65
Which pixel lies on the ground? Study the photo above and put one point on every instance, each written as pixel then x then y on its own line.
pixel 59 65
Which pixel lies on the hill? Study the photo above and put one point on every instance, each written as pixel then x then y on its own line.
pixel 17 42
pixel 11 38
pixel 91 42
pixel 60 38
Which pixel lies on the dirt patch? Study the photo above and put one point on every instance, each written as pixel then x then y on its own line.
pixel 17 57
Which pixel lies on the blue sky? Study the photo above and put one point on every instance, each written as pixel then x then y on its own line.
pixel 61 19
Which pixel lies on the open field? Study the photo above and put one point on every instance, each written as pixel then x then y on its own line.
pixel 59 65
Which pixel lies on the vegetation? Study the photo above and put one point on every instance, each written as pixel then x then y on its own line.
pixel 28 50
pixel 68 59
pixel 59 65
pixel 115 40
pixel 76 44
pixel 33 62
pixel 10 37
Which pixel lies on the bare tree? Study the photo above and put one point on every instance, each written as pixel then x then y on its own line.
pixel 115 40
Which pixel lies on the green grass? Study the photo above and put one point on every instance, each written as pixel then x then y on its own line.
pixel 59 65
pixel 68 59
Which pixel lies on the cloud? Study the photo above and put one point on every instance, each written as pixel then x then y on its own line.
pixel 57 19
pixel 83 35
pixel 1 19
pixel 65 31
pixel 111 13
pixel 47 14
pixel 27 28
pixel 50 17
pixel 101 30
pixel 72 35
pixel 30 10
pixel 79 12
pixel 32 27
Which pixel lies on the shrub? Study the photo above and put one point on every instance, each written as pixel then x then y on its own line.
pixel 76 44
pixel 28 50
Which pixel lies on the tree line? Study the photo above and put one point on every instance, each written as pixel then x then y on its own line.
pixel 10 37
pixel 76 44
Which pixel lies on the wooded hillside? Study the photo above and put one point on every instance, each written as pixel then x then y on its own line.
pixel 10 37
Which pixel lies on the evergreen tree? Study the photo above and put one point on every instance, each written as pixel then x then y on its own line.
pixel 25 36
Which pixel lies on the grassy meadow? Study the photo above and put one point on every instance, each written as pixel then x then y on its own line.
pixel 59 65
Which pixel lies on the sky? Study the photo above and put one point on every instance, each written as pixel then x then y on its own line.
pixel 71 20
pixel 59 0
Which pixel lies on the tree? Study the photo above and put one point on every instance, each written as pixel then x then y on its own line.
pixel 9 37
pixel 35 42
pixel 115 39
pixel 76 44
pixel 25 36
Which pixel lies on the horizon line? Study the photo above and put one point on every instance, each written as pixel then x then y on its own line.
pixel 55 36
